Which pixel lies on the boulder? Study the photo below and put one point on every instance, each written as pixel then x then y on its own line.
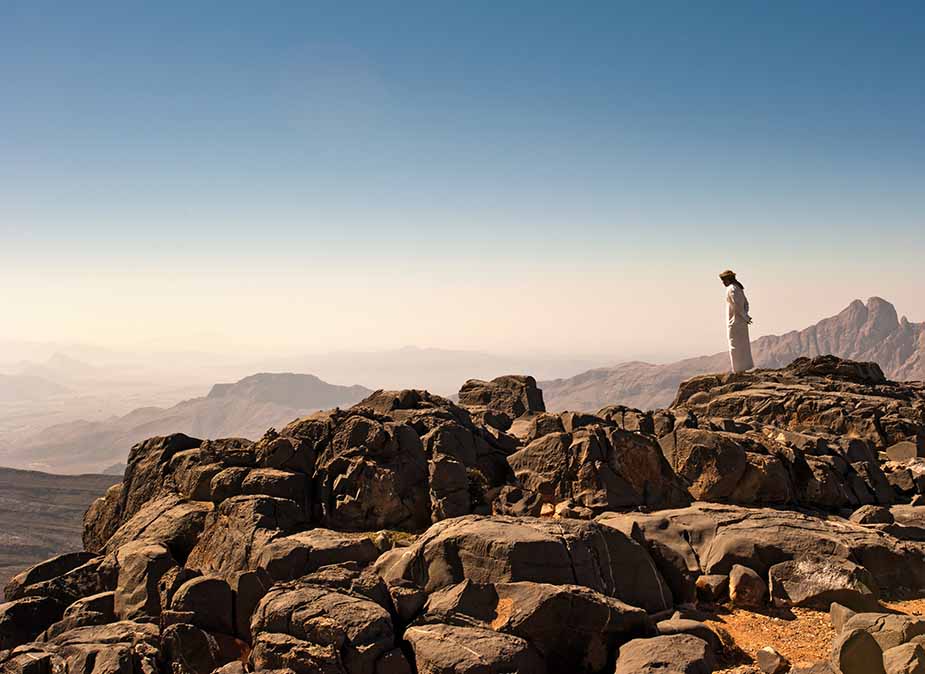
pixel 855 651
pixel 675 653
pixel 192 650
pixel 449 487
pixel 141 566
pixel 905 659
pixel 358 630
pixel 115 648
pixel 372 475
pixel 95 576
pixel 506 549
pixel 712 588
pixel 293 556
pixel 43 572
pixel 601 468
pixel 513 395
pixel 168 521
pixel 211 602
pixel 872 514
pixel 819 581
pixel 451 649
pixel 887 629
pixel 572 627
pixel 97 609
pixel 746 588
pixel 237 531
pixel 248 588
pixel 711 538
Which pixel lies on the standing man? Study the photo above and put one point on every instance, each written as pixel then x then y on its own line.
pixel 740 347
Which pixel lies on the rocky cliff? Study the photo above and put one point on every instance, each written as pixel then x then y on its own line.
pixel 864 332
pixel 412 534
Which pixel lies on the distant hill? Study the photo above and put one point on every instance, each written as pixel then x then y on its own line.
pixel 41 515
pixel 16 387
pixel 864 332
pixel 243 409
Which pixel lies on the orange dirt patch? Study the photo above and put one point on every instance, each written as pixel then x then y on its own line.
pixel 801 635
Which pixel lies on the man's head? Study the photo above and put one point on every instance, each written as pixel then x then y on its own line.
pixel 728 277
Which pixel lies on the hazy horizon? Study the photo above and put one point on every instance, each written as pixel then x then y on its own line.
pixel 503 179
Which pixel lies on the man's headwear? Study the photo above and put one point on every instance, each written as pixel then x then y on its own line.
pixel 727 274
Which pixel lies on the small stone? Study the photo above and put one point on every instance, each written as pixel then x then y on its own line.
pixel 772 662
pixel 746 588
pixel 712 588
pixel 839 615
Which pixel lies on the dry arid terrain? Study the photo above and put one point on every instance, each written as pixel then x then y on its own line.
pixel 41 515
pixel 766 521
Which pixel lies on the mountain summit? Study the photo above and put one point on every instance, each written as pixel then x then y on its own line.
pixel 863 332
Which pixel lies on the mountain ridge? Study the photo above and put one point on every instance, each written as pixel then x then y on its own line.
pixel 871 331
pixel 245 408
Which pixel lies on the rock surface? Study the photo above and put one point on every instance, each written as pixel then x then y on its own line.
pixel 413 534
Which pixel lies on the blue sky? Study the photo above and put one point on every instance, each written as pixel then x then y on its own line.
pixel 509 159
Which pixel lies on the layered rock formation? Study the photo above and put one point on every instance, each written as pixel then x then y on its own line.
pixel 412 534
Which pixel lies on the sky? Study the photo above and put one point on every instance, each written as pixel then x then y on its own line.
pixel 561 178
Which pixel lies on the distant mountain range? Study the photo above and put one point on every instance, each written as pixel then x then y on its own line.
pixel 41 515
pixel 243 409
pixel 15 387
pixel 865 332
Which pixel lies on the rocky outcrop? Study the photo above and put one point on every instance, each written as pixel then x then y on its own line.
pixel 412 534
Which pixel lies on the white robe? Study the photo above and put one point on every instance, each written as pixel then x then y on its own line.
pixel 740 348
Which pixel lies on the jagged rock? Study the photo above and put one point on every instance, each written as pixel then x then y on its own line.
pixel 712 587
pixel 746 588
pixel 358 630
pixel 676 653
pixel 628 418
pixel 293 556
pixel 21 620
pixel 572 627
pixel 237 531
pixel 512 395
pixel 142 482
pixel 95 576
pixel 820 581
pixel 855 651
pixel 905 659
pixel 771 662
pixel 600 468
pixel 372 475
pixel 210 600
pixel 505 549
pixel 97 609
pixel 450 649
pixel 711 463
pixel 141 566
pixel 116 648
pixel 45 571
